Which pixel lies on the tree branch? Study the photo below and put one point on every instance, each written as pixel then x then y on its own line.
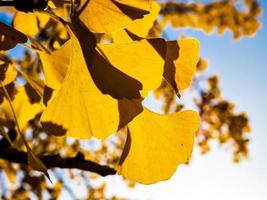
pixel 52 161
pixel 6 3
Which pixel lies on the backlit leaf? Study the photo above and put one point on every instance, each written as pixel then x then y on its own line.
pixel 157 144
pixel 79 109
pixel 26 23
pixel 181 62
pixel 24 110
pixel 121 36
pixel 29 23
pixel 106 16
pixel 141 27
pixel 142 60
pixel 55 65
pixel 7 73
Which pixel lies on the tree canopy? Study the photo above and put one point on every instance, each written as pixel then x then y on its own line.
pixel 75 97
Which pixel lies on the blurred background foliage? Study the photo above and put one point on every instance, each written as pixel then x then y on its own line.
pixel 220 121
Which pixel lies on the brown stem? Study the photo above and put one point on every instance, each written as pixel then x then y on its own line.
pixel 53 161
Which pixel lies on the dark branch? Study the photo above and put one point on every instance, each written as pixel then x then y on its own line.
pixel 25 5
pixel 6 3
pixel 53 161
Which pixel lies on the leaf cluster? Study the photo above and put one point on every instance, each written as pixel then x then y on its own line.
pixel 85 71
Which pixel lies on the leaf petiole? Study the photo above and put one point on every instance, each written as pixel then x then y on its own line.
pixel 33 160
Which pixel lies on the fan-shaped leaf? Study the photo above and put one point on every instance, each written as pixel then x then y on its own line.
pixel 106 16
pixel 79 108
pixel 157 144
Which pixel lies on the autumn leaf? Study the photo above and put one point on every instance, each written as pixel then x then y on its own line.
pixel 181 58
pixel 141 27
pixel 142 60
pixel 24 110
pixel 34 22
pixel 7 73
pixel 119 83
pixel 156 144
pixel 94 84
pixel 106 16
pixel 17 112
pixel 79 109
pixel 181 62
pixel 55 66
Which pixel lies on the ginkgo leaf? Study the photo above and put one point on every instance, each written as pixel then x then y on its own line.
pixel 19 22
pixel 121 36
pixel 181 58
pixel 29 23
pixel 142 60
pixel 24 110
pixel 181 62
pixel 7 73
pixel 10 37
pixel 157 144
pixel 106 16
pixel 141 27
pixel 55 66
pixel 79 109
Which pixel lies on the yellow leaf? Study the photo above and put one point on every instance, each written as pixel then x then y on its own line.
pixel 121 36
pixel 181 62
pixel 181 59
pixel 86 102
pixel 79 109
pixel 42 18
pixel 7 73
pixel 142 60
pixel 55 65
pixel 106 16
pixel 24 110
pixel 26 23
pixel 29 23
pixel 141 27
pixel 157 144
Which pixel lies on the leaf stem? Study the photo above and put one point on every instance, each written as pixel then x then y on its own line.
pixel 14 115
pixel 30 155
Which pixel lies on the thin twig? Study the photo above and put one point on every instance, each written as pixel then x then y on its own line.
pixel 14 115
